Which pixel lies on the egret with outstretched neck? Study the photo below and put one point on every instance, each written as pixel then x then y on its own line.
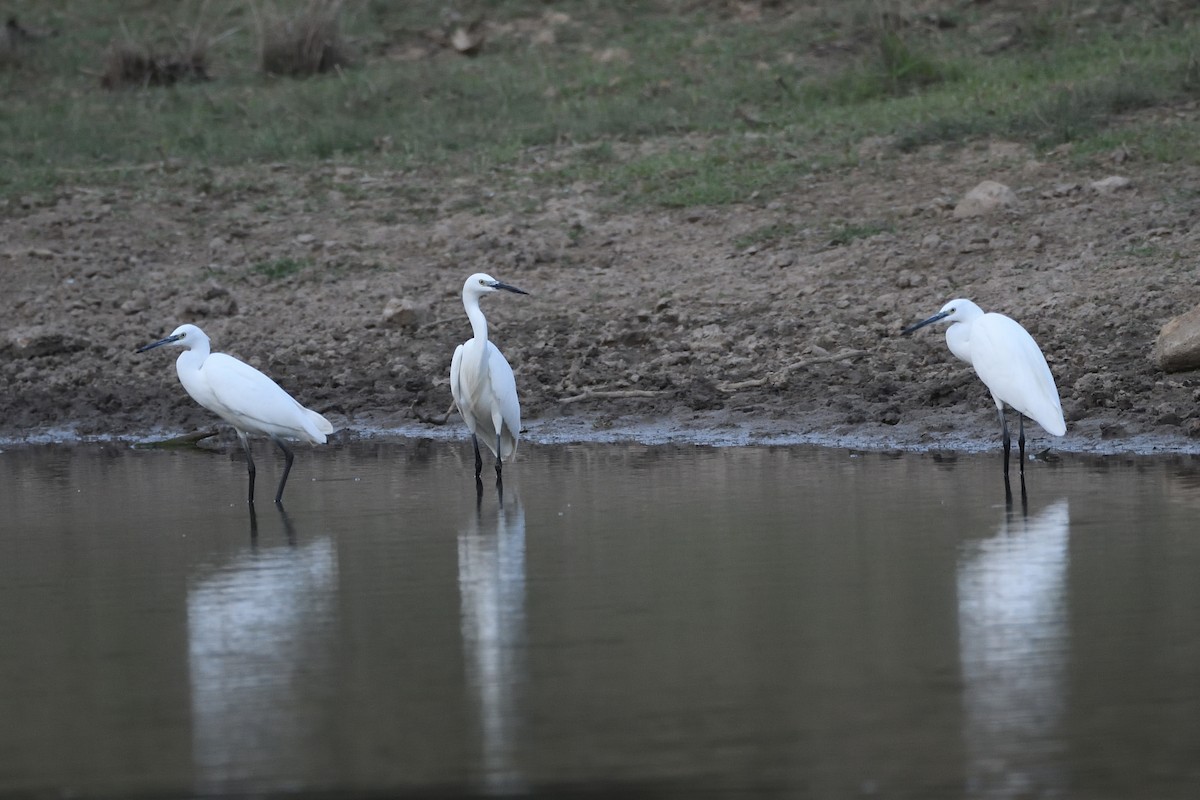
pixel 482 381
pixel 1010 364
pixel 244 397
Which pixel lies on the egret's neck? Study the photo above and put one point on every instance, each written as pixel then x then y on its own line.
pixel 958 337
pixel 192 359
pixel 478 322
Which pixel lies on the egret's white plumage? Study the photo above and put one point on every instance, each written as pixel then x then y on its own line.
pixel 482 381
pixel 1007 360
pixel 242 396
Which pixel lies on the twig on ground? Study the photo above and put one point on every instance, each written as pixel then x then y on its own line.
pixel 754 383
pixel 186 440
pixel 609 394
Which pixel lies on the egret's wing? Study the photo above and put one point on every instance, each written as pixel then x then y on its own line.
pixel 504 392
pixel 250 400
pixel 456 388
pixel 1012 366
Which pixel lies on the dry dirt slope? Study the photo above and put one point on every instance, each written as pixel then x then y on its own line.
pixel 700 317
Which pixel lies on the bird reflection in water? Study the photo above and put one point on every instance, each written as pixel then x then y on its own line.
pixel 491 582
pixel 1012 650
pixel 288 528
pixel 258 628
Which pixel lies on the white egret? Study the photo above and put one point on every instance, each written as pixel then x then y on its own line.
pixel 244 397
pixel 1010 364
pixel 482 381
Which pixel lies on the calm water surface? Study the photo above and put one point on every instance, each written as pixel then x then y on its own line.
pixel 631 621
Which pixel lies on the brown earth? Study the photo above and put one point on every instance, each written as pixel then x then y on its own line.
pixel 688 322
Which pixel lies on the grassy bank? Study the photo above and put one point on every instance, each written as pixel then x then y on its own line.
pixel 670 103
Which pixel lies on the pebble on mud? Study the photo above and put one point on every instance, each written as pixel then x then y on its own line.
pixel 403 313
pixel 216 301
pixel 986 198
pixel 1178 345
pixel 1111 184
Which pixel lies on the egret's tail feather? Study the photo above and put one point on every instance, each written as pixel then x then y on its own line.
pixel 319 422
pixel 1055 426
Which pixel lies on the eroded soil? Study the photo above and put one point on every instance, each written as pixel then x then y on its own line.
pixel 777 316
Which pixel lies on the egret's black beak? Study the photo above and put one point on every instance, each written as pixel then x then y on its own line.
pixel 159 343
pixel 507 288
pixel 923 323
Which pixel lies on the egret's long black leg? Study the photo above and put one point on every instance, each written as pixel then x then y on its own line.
pixel 288 457
pixel 499 463
pixel 249 464
pixel 1005 440
pixel 1021 443
pixel 478 458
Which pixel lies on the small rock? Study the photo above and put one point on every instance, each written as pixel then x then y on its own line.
pixel 431 363
pixel 305 238
pixel 1113 431
pixel 214 290
pixel 986 198
pixel 215 302
pixel 135 304
pixel 1063 190
pixel 1168 415
pixel 403 313
pixel 1111 184
pixel 1178 345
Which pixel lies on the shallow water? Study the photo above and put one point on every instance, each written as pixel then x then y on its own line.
pixel 634 620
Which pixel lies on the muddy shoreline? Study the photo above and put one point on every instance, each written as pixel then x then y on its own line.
pixel 721 325
pixel 704 430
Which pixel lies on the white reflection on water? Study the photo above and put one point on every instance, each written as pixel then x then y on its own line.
pixel 1013 647
pixel 491 583
pixel 250 646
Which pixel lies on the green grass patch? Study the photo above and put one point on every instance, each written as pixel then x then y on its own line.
pixel 1145 251
pixel 766 235
pixel 280 267
pixel 731 108
pixel 846 232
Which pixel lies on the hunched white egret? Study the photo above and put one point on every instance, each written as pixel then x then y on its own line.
pixel 1010 364
pixel 244 397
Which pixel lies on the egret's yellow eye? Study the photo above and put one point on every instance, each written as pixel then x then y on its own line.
pixel 183 335
pixel 482 282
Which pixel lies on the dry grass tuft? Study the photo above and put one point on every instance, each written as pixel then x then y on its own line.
pixel 136 66
pixel 132 63
pixel 13 37
pixel 307 44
